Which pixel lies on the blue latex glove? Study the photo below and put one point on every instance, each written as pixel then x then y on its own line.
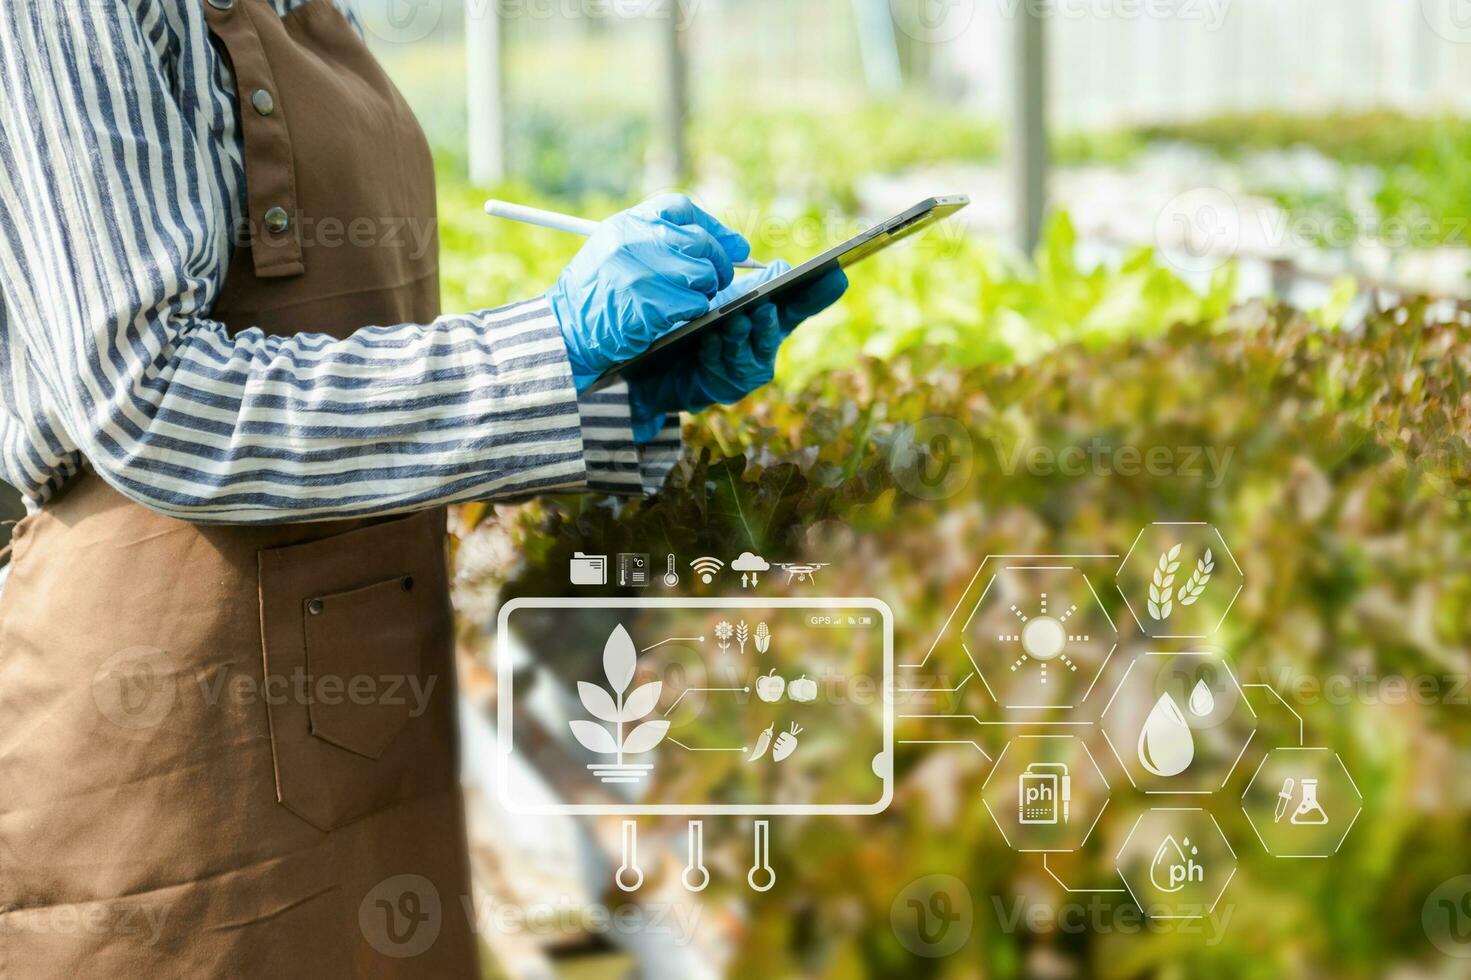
pixel 733 360
pixel 643 272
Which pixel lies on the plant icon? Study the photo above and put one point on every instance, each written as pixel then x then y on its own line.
pixel 743 635
pixel 723 632
pixel 620 659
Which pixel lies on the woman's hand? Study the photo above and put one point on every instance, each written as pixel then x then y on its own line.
pixel 642 273
pixel 735 359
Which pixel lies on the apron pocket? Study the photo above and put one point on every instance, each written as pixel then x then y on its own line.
pixel 357 637
pixel 361 646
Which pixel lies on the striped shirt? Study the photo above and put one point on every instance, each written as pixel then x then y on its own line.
pixel 121 177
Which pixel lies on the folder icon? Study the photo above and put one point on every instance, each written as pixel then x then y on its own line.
pixel 589 569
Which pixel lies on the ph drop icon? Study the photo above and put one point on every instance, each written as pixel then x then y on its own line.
pixel 1172 869
pixel 1166 746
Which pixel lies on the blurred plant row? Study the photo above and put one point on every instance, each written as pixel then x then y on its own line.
pixel 1365 171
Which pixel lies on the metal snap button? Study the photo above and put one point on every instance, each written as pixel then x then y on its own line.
pixel 263 103
pixel 276 220
pixel 315 606
pixel 221 4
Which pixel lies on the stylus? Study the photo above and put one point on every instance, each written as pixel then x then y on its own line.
pixel 563 222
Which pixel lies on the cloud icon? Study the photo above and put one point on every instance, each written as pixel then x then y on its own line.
pixel 749 562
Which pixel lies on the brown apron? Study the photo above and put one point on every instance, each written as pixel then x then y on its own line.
pixel 231 751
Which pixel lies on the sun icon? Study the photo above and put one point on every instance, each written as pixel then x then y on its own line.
pixel 1044 637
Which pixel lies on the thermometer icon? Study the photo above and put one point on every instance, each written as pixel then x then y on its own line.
pixel 696 875
pixel 761 877
pixel 630 875
pixel 671 577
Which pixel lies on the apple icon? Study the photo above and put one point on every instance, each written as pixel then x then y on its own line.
pixel 769 687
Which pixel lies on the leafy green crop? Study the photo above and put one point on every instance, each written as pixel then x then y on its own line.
pixel 953 295
pixel 1344 492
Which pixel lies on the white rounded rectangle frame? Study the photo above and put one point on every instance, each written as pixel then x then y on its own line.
pixel 505 694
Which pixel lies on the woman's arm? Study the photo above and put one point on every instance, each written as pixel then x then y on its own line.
pixel 111 251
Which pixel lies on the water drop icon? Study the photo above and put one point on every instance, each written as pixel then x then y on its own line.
pixel 1166 746
pixel 1202 702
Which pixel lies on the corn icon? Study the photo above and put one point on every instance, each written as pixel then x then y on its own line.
pixel 763 638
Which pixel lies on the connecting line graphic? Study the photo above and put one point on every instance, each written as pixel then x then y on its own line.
pixel 675 639
pixel 936 690
pixel 689 748
pixel 745 690
pixel 947 741
pixel 1080 891
pixel 1046 724
pixel 1301 731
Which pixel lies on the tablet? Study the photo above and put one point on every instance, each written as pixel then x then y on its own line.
pixel 675 345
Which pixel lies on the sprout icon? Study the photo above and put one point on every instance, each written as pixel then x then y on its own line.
pixel 619 662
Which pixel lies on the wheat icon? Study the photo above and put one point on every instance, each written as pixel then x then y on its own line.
pixel 1198 580
pixel 1160 602
pixel 743 635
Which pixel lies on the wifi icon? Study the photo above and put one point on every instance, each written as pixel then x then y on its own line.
pixel 706 568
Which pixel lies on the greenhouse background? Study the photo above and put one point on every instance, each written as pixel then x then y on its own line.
pixel 1234 226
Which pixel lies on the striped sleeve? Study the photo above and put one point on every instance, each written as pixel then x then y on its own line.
pixel 111 249
pixel 616 462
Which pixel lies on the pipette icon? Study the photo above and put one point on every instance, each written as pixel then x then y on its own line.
pixel 1283 799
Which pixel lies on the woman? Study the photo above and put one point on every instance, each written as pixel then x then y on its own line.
pixel 226 690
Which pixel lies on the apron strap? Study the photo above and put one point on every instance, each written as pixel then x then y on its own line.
pixel 270 170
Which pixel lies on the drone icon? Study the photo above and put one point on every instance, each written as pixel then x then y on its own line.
pixel 800 573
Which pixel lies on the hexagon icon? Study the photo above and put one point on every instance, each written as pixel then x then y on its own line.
pixel 1045 793
pixel 1176 863
pixel 1178 722
pixel 1038 635
pixel 1301 802
pixel 1179 580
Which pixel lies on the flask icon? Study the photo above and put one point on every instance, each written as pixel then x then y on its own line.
pixel 1309 811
